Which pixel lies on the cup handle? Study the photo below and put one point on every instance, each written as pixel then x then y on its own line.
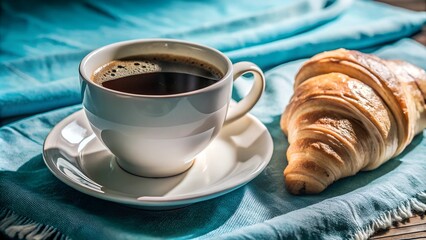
pixel 247 103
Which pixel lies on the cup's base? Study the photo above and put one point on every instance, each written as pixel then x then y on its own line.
pixel 154 173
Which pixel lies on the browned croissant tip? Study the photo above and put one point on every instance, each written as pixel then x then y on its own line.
pixel 298 184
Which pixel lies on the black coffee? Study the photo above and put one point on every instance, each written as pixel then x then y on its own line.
pixel 156 75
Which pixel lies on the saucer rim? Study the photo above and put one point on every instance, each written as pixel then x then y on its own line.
pixel 179 200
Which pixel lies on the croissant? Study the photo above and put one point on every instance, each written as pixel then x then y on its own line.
pixel 350 112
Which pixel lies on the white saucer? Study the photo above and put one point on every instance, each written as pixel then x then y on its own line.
pixel 75 156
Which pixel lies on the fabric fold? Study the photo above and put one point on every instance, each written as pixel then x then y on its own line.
pixel 267 33
pixel 364 25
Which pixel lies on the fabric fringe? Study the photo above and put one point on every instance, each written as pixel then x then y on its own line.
pixel 385 220
pixel 14 226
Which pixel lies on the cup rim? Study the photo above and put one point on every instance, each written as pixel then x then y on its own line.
pixel 213 86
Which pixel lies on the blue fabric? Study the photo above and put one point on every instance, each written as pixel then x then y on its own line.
pixel 43 42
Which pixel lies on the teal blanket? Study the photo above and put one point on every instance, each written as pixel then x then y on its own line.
pixel 42 42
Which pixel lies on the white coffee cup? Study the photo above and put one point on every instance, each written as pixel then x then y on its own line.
pixel 160 135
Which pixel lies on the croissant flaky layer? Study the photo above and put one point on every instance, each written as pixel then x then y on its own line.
pixel 349 112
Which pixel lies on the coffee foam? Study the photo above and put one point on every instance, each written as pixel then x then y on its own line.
pixel 148 64
pixel 123 68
